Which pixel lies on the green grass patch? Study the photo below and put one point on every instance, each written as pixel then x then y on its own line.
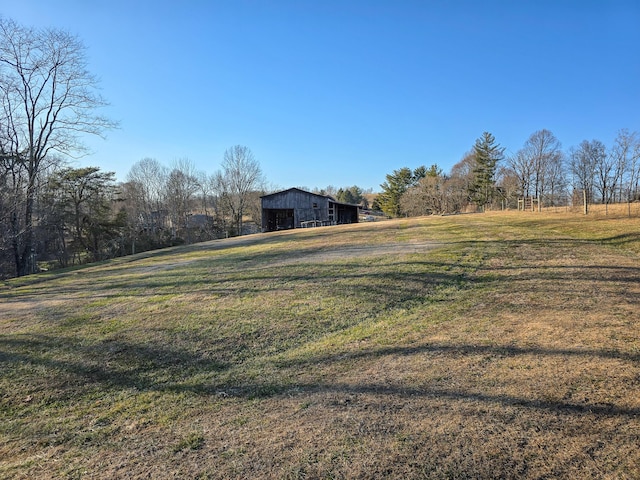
pixel 471 346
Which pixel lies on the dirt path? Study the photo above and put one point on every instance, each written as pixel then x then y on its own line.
pixel 23 304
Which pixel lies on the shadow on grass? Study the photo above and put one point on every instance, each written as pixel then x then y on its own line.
pixel 289 254
pixel 443 349
pixel 109 364
pixel 620 240
pixel 75 364
pixel 601 410
pixel 388 284
pixel 73 368
pixel 448 352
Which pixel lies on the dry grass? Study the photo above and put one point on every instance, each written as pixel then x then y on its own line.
pixel 500 345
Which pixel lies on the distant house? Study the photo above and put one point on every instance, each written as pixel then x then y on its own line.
pixel 199 220
pixel 295 208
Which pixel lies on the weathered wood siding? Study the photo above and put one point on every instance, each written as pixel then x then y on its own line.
pixel 306 207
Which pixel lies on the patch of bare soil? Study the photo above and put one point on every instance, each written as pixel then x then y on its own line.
pixel 30 303
pixel 347 252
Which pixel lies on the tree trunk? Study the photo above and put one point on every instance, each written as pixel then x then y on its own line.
pixel 23 258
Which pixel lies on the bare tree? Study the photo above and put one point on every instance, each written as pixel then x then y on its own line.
pixel 625 155
pixel 132 195
pixel 541 151
pixel 428 196
pixel 634 171
pixel 582 164
pixel 182 184
pixel 148 180
pixel 603 170
pixel 47 100
pixel 241 175
pixel 522 167
pixel 508 186
pixel 219 188
pixel 461 178
pixel 556 180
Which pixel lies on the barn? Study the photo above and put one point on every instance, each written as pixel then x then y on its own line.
pixel 296 208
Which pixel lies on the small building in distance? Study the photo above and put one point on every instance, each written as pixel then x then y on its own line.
pixel 295 208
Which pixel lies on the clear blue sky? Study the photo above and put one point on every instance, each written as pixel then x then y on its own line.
pixel 340 93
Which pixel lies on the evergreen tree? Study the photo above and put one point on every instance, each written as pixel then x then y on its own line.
pixel 81 201
pixel 351 195
pixel 487 154
pixel 396 185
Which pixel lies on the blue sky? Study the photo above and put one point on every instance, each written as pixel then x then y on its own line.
pixel 343 92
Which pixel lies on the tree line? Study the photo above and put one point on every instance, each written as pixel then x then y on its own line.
pixel 84 215
pixel 353 194
pixel 48 100
pixel 167 206
pixel 538 175
pixel 56 214
pixel 52 213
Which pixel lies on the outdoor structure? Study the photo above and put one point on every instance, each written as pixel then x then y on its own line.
pixel 528 204
pixel 295 208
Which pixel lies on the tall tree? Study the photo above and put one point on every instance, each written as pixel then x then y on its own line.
pixel 582 164
pixel 241 175
pixel 428 196
pixel 83 200
pixel 626 157
pixel 147 195
pixel 152 176
pixel 541 153
pixel 181 186
pixel 47 100
pixel 487 155
pixel 461 179
pixel 351 195
pixel 508 186
pixel 131 208
pixel 522 167
pixel 605 172
pixel 395 186
pixel 556 180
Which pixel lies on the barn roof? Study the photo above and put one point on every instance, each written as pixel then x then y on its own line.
pixel 309 193
pixel 299 190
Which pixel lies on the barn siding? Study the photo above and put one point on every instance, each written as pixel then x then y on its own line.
pixel 306 207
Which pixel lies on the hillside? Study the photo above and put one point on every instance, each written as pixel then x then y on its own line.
pixel 497 345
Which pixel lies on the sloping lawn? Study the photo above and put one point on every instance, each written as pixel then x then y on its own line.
pixel 500 345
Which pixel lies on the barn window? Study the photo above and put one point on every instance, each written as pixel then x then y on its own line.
pixel 315 205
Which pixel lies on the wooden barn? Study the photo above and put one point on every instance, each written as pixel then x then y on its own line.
pixel 295 208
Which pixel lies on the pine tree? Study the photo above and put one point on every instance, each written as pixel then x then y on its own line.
pixel 487 155
pixel 397 183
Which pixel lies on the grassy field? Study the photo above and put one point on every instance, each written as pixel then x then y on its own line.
pixel 498 345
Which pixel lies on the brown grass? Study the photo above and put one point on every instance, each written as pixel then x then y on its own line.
pixel 500 345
